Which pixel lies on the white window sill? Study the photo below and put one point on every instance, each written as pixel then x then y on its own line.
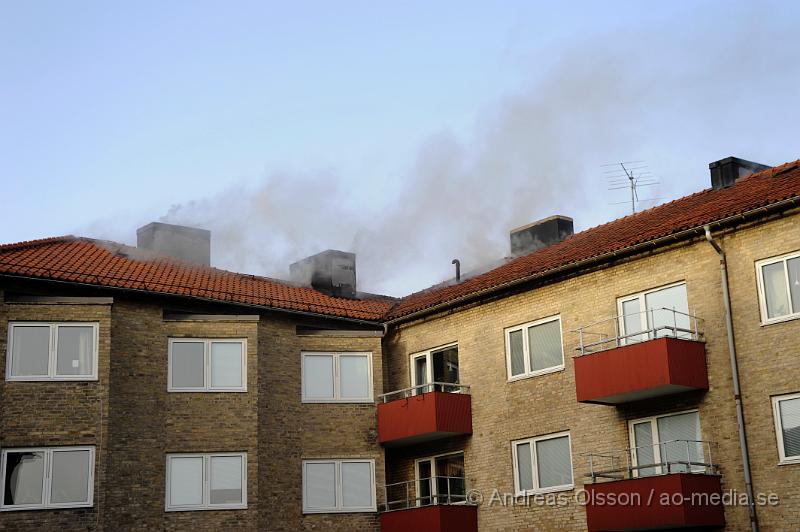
pixel 790 461
pixel 782 319
pixel 548 371
pixel 554 489
pixel 44 378
pixel 206 390
pixel 207 508
pixel 339 401
pixel 48 507
pixel 308 511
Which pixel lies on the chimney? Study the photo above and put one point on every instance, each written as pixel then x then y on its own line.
pixel 185 243
pixel 725 172
pixel 537 235
pixel 332 272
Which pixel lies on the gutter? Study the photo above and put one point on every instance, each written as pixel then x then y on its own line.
pixel 686 233
pixel 726 299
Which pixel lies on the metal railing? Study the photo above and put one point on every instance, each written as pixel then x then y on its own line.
pixel 448 387
pixel 427 491
pixel 661 322
pixel 662 458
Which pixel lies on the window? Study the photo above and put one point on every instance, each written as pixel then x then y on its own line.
pixel 662 311
pixel 779 287
pixel 47 477
pixel 441 479
pixel 202 365
pixel 214 481
pixel 338 486
pixel 337 377
pixel 672 440
pixel 39 351
pixel 787 427
pixel 436 365
pixel 534 348
pixel 543 464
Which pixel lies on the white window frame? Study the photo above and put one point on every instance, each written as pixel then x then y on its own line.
pixel 526 349
pixel 434 486
pixel 762 299
pixel 339 508
pixel 428 364
pixel 776 400
pixel 52 360
pixel 48 477
pixel 337 356
pixel 656 436
pixel 642 297
pixel 534 463
pixel 207 387
pixel 206 504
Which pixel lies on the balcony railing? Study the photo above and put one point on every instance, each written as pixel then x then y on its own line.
pixel 446 387
pixel 430 491
pixel 662 458
pixel 662 322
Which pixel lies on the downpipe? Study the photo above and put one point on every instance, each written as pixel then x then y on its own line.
pixel 726 297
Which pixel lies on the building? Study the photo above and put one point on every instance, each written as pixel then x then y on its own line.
pixel 590 382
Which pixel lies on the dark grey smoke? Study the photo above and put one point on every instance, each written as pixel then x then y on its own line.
pixel 535 154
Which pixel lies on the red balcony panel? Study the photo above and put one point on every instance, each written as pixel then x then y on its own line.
pixel 679 500
pixel 444 518
pixel 654 368
pixel 424 417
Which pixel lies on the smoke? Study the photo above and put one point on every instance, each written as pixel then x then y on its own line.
pixel 536 153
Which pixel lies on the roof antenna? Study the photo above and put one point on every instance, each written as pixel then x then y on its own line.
pixel 458 269
pixel 630 175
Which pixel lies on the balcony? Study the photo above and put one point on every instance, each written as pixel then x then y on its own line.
pixel 665 357
pixel 435 504
pixel 424 413
pixel 679 488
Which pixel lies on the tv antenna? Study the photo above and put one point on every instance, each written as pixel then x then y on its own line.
pixel 630 175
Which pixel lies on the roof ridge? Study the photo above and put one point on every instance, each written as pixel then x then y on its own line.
pixel 26 244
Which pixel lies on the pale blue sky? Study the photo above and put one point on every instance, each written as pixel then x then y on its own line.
pixel 410 132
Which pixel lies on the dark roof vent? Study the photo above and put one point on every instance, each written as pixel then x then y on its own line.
pixel 185 243
pixel 537 235
pixel 332 272
pixel 725 172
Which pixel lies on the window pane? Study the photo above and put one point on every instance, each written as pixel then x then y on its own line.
pixel 421 374
pixel 775 290
pixel 672 298
pixel 424 482
pixel 684 427
pixel 75 351
pixel 226 364
pixel 450 470
pixel 517 354
pixel 24 478
pixel 524 466
pixel 321 485
pixel 554 462
pixel 445 366
pixel 188 363
pixel 544 342
pixel 31 350
pixel 356 485
pixel 70 477
pixel 186 481
pixel 354 377
pixel 318 376
pixel 644 448
pixel 790 425
pixel 226 479
pixel 632 320
pixel 794 283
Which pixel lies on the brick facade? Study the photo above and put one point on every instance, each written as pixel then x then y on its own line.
pixel 133 421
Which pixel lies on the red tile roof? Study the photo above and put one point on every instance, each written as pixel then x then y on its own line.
pixel 94 262
pixel 758 190
pixel 100 263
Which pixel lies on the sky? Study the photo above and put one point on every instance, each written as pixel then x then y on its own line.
pixel 411 133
